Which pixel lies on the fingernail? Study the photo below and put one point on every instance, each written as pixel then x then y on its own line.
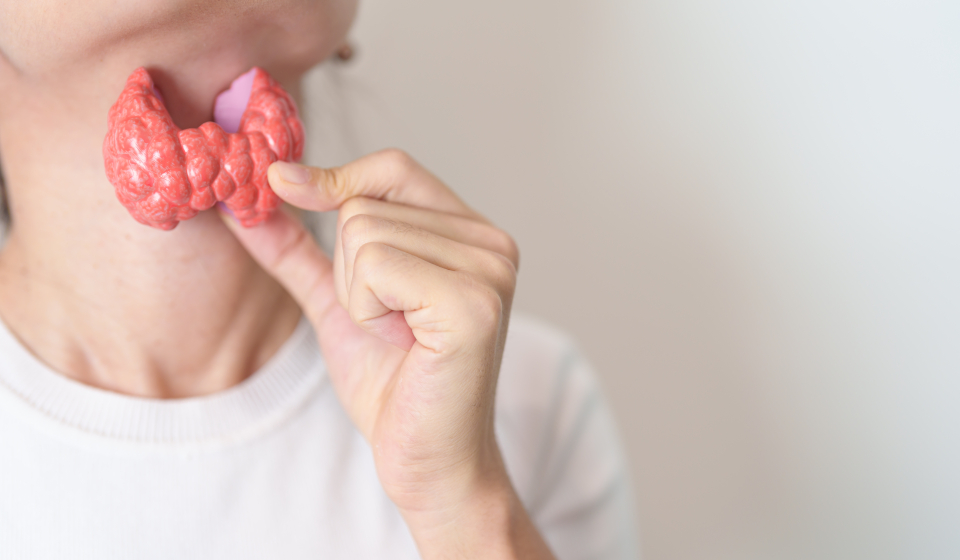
pixel 293 173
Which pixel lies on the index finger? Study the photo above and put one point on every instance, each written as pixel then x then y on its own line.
pixel 389 175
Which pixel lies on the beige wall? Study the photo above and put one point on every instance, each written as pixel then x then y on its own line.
pixel 748 212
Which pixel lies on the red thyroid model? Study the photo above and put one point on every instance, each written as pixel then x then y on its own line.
pixel 164 175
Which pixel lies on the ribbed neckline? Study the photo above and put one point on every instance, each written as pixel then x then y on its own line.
pixel 227 416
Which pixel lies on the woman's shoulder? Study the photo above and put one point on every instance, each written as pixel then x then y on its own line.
pixel 537 358
pixel 560 444
pixel 545 388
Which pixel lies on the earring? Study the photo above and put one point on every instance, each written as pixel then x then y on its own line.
pixel 345 53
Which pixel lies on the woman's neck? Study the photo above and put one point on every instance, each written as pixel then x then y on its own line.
pixel 102 298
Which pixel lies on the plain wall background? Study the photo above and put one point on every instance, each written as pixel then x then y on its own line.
pixel 748 213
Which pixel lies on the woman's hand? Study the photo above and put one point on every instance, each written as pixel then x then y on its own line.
pixel 411 315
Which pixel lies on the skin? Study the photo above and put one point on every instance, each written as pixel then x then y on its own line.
pixel 411 311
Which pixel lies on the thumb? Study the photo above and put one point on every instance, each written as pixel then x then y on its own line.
pixel 388 175
pixel 286 250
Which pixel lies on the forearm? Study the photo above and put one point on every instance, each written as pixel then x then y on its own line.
pixel 490 523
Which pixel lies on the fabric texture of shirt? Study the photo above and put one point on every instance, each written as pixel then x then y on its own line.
pixel 273 467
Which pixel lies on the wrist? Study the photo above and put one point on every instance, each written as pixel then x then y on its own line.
pixel 486 521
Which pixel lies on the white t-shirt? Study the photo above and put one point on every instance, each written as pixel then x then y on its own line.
pixel 273 468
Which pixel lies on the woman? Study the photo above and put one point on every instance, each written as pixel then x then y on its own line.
pixel 217 391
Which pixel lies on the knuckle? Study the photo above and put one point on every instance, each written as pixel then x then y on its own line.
pixel 358 313
pixel 335 182
pixel 396 157
pixel 350 207
pixel 502 272
pixel 483 303
pixel 396 161
pixel 369 257
pixel 356 229
pixel 505 245
pixel 355 311
pixel 488 310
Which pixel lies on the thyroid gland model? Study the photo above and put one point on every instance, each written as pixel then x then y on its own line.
pixel 164 175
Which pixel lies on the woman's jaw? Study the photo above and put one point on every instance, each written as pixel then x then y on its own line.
pixel 94 294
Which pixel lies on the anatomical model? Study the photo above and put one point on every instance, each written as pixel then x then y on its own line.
pixel 164 175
